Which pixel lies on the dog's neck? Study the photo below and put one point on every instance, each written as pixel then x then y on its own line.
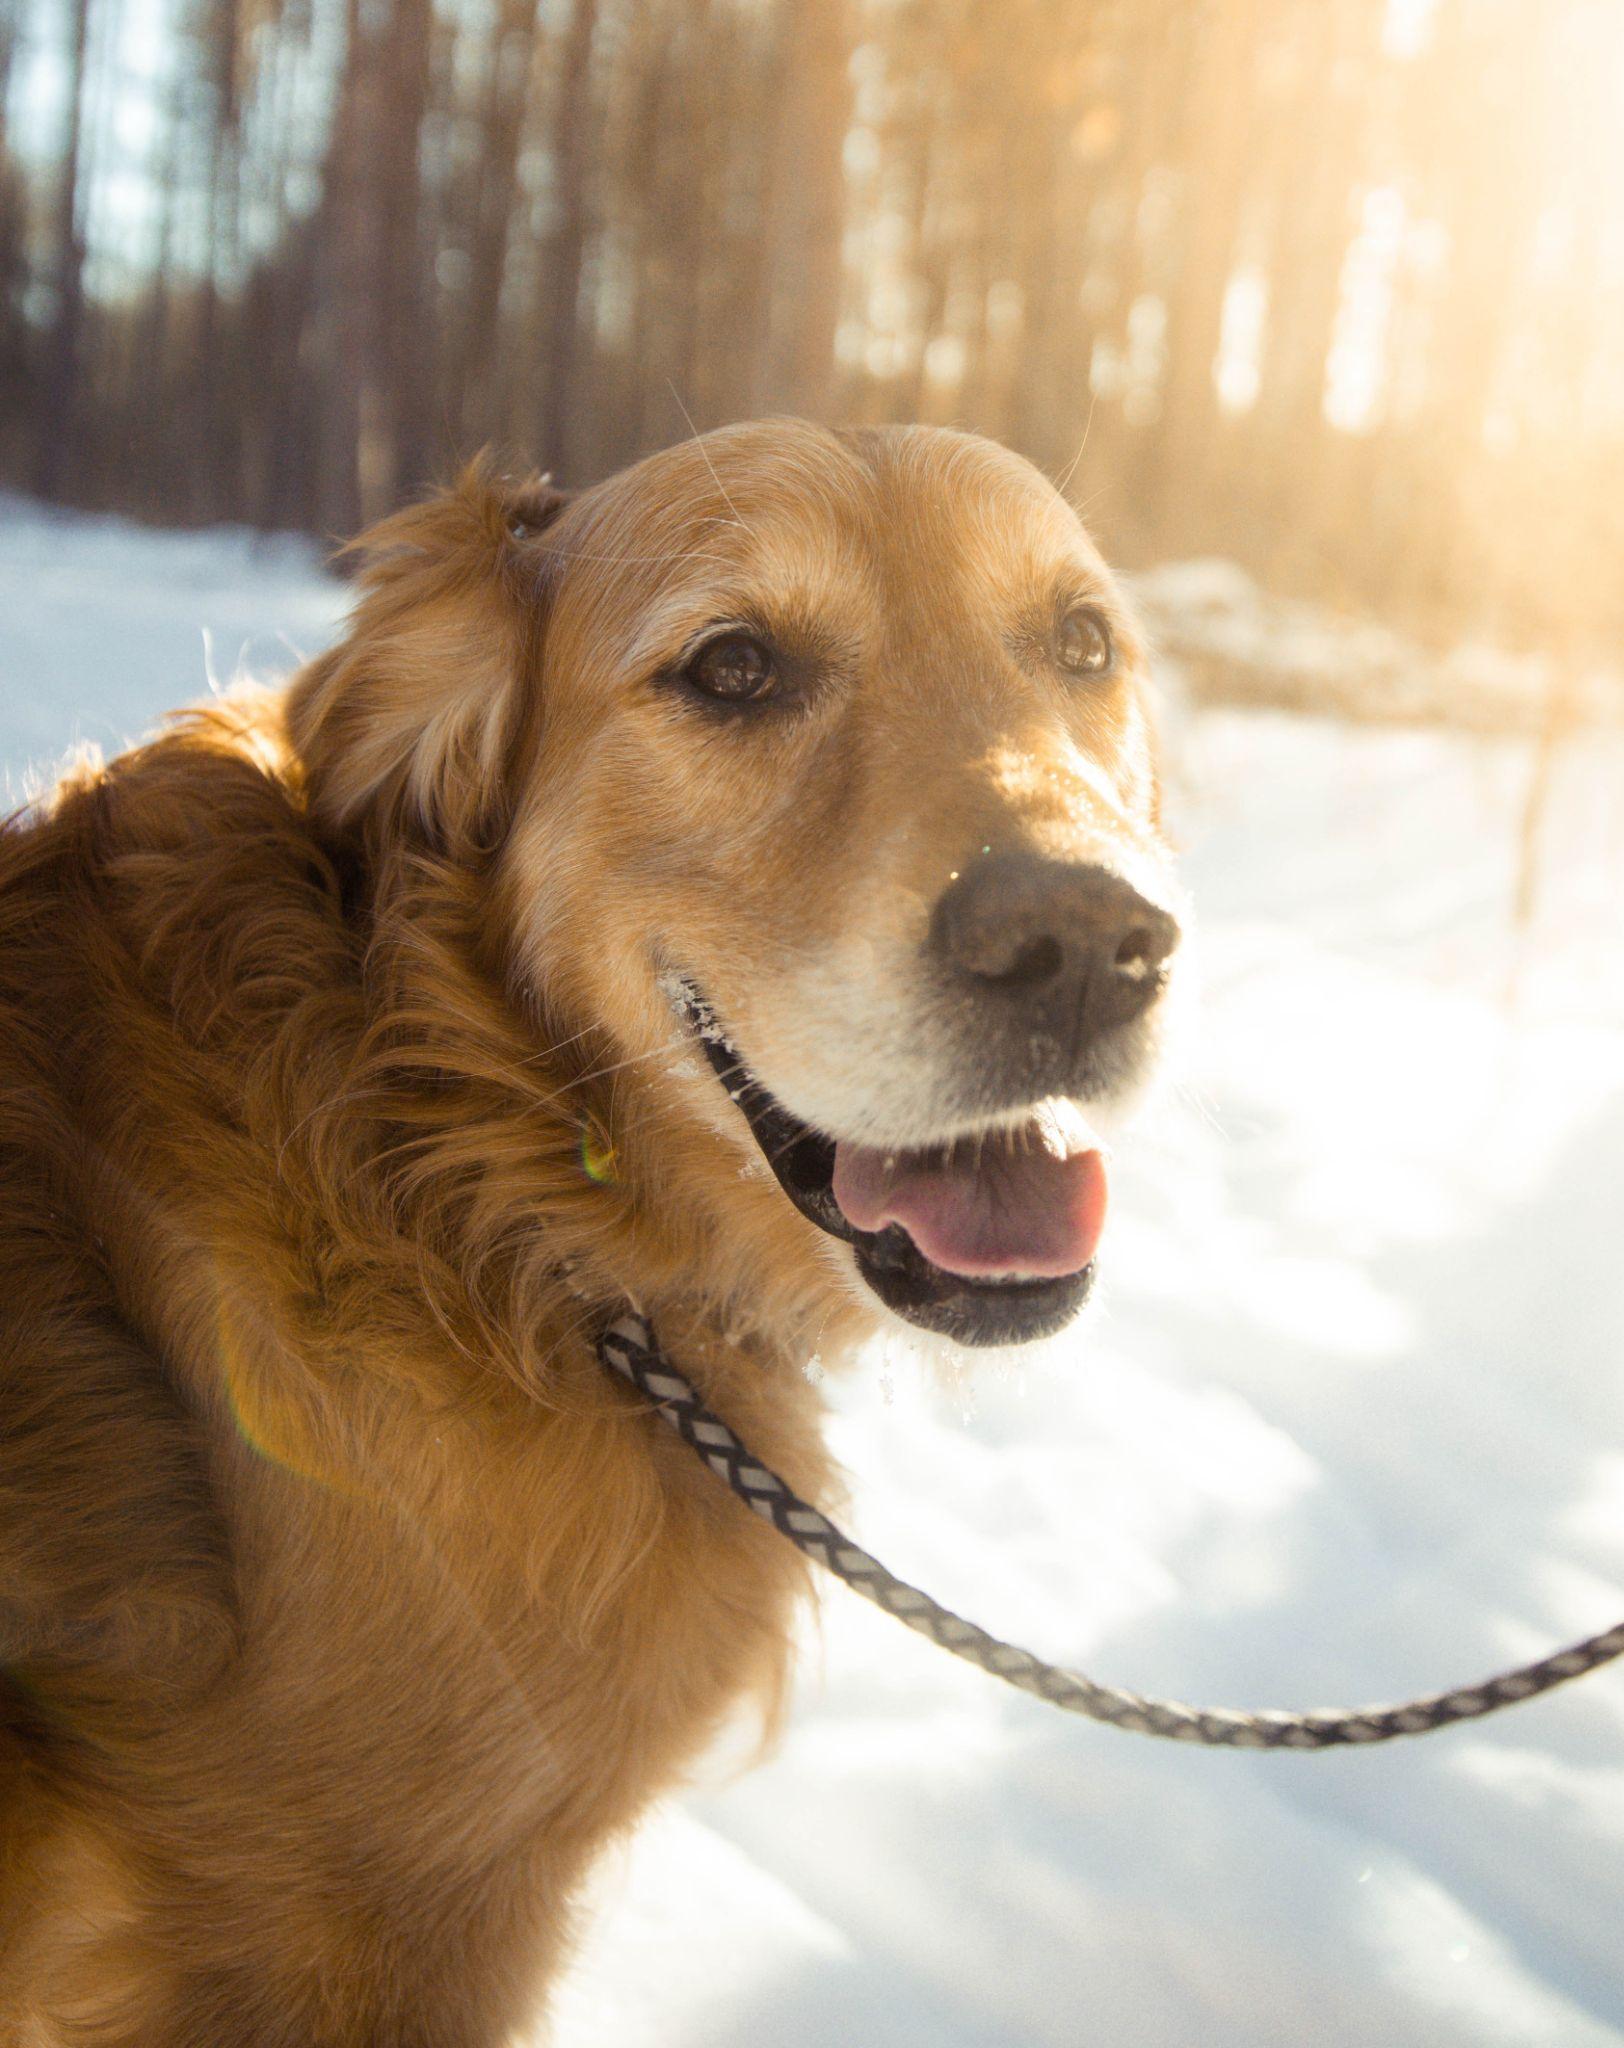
pixel 501 1145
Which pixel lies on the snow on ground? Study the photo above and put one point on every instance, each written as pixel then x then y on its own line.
pixel 105 625
pixel 1349 1424
pixel 1240 644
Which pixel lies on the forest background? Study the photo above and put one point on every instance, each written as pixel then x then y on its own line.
pixel 1332 288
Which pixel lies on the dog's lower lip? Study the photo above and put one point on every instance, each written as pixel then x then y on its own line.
pixel 999 1308
pixel 1020 1202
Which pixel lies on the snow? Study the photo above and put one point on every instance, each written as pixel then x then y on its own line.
pixel 105 625
pixel 1242 644
pixel 1348 1425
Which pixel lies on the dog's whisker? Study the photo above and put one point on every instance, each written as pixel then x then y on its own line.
pixel 1070 469
pixel 699 442
pixel 676 1048
pixel 617 561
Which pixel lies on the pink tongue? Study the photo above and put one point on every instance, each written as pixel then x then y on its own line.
pixel 1003 1205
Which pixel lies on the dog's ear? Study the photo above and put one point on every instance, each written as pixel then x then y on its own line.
pixel 411 721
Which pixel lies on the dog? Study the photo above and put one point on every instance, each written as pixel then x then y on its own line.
pixel 729 891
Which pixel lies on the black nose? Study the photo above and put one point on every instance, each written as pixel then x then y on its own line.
pixel 1058 937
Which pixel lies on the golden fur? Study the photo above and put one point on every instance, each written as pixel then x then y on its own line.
pixel 346 1607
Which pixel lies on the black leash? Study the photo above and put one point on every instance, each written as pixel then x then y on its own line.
pixel 631 1349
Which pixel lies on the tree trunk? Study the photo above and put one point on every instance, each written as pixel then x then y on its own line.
pixel 805 209
pixel 566 248
pixel 1217 160
pixel 507 94
pixel 55 448
pixel 402 338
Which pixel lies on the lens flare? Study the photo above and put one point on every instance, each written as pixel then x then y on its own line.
pixel 597 1156
pixel 277 1408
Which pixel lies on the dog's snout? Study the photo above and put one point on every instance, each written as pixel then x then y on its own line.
pixel 1054 933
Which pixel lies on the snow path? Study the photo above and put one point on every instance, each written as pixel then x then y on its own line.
pixel 1349 1424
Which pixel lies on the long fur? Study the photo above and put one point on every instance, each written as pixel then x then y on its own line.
pixel 346 1608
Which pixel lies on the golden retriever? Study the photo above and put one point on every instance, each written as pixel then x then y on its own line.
pixel 724 891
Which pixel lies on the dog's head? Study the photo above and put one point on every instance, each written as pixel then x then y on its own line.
pixel 828 755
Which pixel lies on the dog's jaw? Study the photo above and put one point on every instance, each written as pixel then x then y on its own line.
pixel 971 1309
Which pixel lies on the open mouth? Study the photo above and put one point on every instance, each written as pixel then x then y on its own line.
pixel 987 1239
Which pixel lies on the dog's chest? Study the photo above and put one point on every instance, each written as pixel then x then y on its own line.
pixel 516 1641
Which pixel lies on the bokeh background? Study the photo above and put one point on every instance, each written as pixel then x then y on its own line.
pixel 1316 307
pixel 1332 287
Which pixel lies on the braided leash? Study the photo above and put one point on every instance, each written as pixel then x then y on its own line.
pixel 631 1349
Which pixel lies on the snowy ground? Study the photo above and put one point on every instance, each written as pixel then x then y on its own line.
pixel 1240 645
pixel 1350 1424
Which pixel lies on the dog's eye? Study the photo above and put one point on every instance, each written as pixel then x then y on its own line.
pixel 1082 642
pixel 734 667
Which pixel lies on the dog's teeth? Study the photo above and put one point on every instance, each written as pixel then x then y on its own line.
pixel 1062 1124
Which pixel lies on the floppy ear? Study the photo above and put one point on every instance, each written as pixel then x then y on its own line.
pixel 411 720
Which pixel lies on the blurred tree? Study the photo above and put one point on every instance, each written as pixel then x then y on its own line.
pixel 558 327
pixel 505 95
pixel 371 298
pixel 803 213
pixel 13 240
pixel 64 266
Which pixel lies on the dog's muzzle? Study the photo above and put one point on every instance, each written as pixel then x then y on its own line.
pixel 998 1309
